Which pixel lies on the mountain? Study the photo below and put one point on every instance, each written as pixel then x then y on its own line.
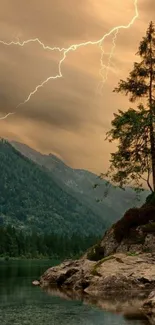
pixel 32 200
pixel 80 183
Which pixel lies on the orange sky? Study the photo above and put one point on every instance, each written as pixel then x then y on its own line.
pixel 68 116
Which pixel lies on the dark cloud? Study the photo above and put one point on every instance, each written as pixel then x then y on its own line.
pixel 66 116
pixel 147 9
pixel 55 22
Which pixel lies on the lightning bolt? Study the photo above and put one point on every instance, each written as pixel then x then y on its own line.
pixel 105 68
pixel 73 47
pixel 5 116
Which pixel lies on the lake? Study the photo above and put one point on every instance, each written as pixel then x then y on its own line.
pixel 23 304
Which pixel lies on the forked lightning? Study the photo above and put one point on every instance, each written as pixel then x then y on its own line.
pixel 74 47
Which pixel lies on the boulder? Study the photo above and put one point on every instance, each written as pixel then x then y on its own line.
pixel 116 273
pixel 148 307
pixel 36 283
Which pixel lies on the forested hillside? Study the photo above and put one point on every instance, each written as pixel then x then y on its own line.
pixel 14 243
pixel 31 200
pixel 80 183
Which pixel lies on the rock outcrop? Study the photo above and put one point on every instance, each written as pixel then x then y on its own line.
pixel 148 308
pixel 124 259
pixel 135 232
pixel 118 272
pixel 123 263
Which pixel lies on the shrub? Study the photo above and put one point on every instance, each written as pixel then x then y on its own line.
pixel 150 200
pixel 133 218
pixel 122 227
pixel 150 227
pixel 96 253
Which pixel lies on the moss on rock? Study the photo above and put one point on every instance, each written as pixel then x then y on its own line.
pixel 98 264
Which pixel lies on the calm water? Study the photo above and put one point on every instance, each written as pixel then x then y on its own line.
pixel 23 304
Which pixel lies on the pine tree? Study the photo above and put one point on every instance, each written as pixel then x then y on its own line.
pixel 135 129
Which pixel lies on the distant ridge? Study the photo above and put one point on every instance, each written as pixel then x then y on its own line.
pixel 80 184
pixel 31 199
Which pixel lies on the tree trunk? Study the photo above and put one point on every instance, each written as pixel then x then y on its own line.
pixel 152 140
pixel 152 135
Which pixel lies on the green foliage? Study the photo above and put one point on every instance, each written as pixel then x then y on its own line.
pixel 95 253
pixel 138 82
pixel 149 228
pixel 132 159
pixel 95 272
pixel 132 253
pixel 30 199
pixel 134 129
pixel 14 243
pixel 150 200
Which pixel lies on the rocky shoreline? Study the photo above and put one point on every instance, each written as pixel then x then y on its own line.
pixel 117 272
pixel 121 265
pixel 120 283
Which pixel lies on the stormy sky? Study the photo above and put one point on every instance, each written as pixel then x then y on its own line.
pixel 69 116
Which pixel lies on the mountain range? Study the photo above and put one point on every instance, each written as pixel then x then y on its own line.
pixel 41 193
pixel 81 184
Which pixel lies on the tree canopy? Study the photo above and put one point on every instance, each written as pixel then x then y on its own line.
pixel 134 129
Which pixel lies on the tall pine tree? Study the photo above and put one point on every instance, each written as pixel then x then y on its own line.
pixel 135 128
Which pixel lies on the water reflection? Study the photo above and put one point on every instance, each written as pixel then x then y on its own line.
pixel 129 306
pixel 24 304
